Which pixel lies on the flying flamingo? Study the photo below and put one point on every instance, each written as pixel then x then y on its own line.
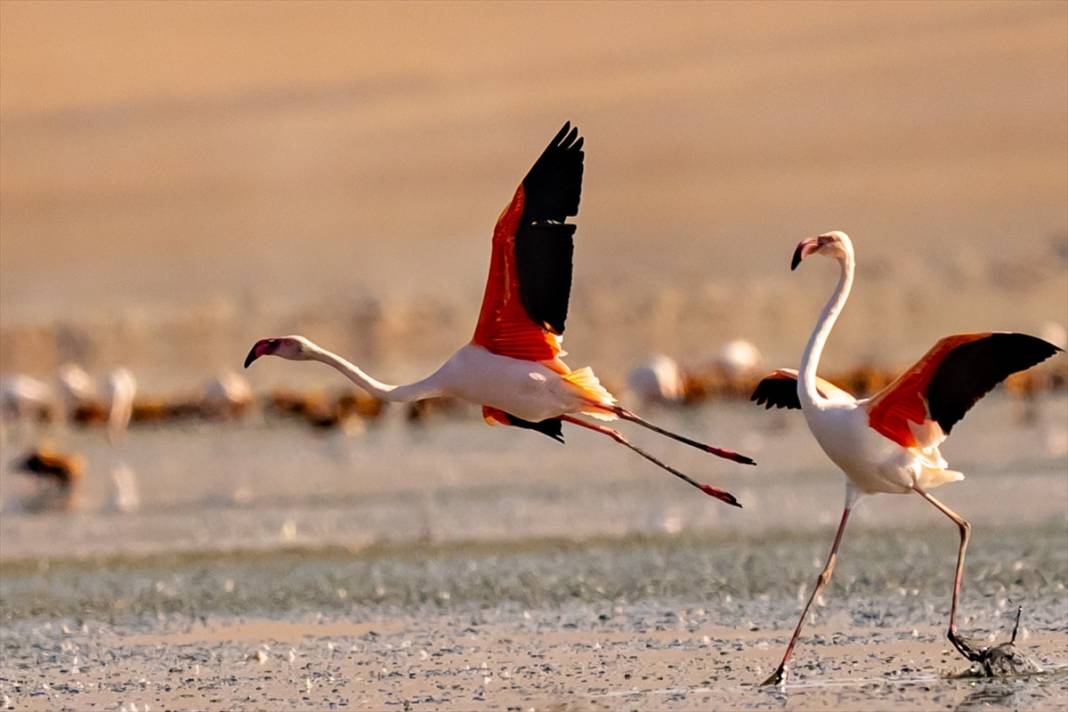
pixel 889 443
pixel 513 365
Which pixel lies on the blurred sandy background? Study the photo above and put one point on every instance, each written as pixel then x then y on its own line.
pixel 178 179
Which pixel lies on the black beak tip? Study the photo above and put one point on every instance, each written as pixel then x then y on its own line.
pixel 796 260
pixel 251 357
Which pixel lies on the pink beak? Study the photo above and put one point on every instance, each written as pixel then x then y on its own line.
pixel 260 348
pixel 804 248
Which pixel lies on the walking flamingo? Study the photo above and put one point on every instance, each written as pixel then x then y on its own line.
pixel 513 365
pixel 889 443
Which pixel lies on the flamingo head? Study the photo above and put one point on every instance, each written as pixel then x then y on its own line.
pixel 294 348
pixel 834 244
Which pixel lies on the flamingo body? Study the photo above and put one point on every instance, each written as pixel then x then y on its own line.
pixel 529 390
pixel 872 462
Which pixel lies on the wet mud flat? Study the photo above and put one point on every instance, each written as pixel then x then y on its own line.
pixel 644 622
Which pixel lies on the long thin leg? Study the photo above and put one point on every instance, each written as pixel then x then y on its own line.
pixel 779 676
pixel 711 491
pixel 965 535
pixel 718 452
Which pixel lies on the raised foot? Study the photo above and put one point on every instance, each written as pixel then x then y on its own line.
pixel 777 678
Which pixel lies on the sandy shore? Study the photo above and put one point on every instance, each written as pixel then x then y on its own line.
pixel 682 622
pixel 554 661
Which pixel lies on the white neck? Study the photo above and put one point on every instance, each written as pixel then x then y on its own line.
pixel 806 384
pixel 425 388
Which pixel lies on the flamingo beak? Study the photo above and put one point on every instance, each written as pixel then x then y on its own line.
pixel 804 248
pixel 261 348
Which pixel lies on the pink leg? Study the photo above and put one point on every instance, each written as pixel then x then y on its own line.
pixel 718 452
pixel 779 676
pixel 618 437
pixel 965 535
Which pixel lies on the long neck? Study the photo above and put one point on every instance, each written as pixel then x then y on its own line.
pixel 425 388
pixel 806 386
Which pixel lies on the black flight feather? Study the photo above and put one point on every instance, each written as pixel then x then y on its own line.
pixel 544 245
pixel 552 427
pixel 971 370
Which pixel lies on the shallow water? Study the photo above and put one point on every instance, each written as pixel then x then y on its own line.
pixel 264 486
pixel 395 562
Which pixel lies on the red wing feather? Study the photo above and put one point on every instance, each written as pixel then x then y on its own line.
pixel 504 327
pixel 527 293
pixel 905 400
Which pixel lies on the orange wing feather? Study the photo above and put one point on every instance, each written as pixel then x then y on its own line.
pixel 902 403
pixel 504 327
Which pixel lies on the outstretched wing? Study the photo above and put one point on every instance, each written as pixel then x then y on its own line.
pixel 525 303
pixel 923 404
pixel 779 390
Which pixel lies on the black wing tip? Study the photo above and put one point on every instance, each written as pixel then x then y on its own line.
pixel 567 139
pixel 761 399
pixel 553 184
pixel 559 137
pixel 1038 349
pixel 765 394
pixel 975 368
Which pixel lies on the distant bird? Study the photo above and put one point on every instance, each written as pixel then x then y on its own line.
pixel 513 366
pixel 49 465
pixel 75 385
pixel 889 443
pixel 1054 333
pixel 226 395
pixel 658 380
pixel 738 358
pixel 25 397
pixel 120 387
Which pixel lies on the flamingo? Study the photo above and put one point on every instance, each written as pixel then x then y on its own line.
pixel 513 365
pixel 57 474
pixel 226 395
pixel 24 396
pixel 889 443
pixel 658 380
pixel 50 465
pixel 76 387
pixel 120 387
pixel 738 358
